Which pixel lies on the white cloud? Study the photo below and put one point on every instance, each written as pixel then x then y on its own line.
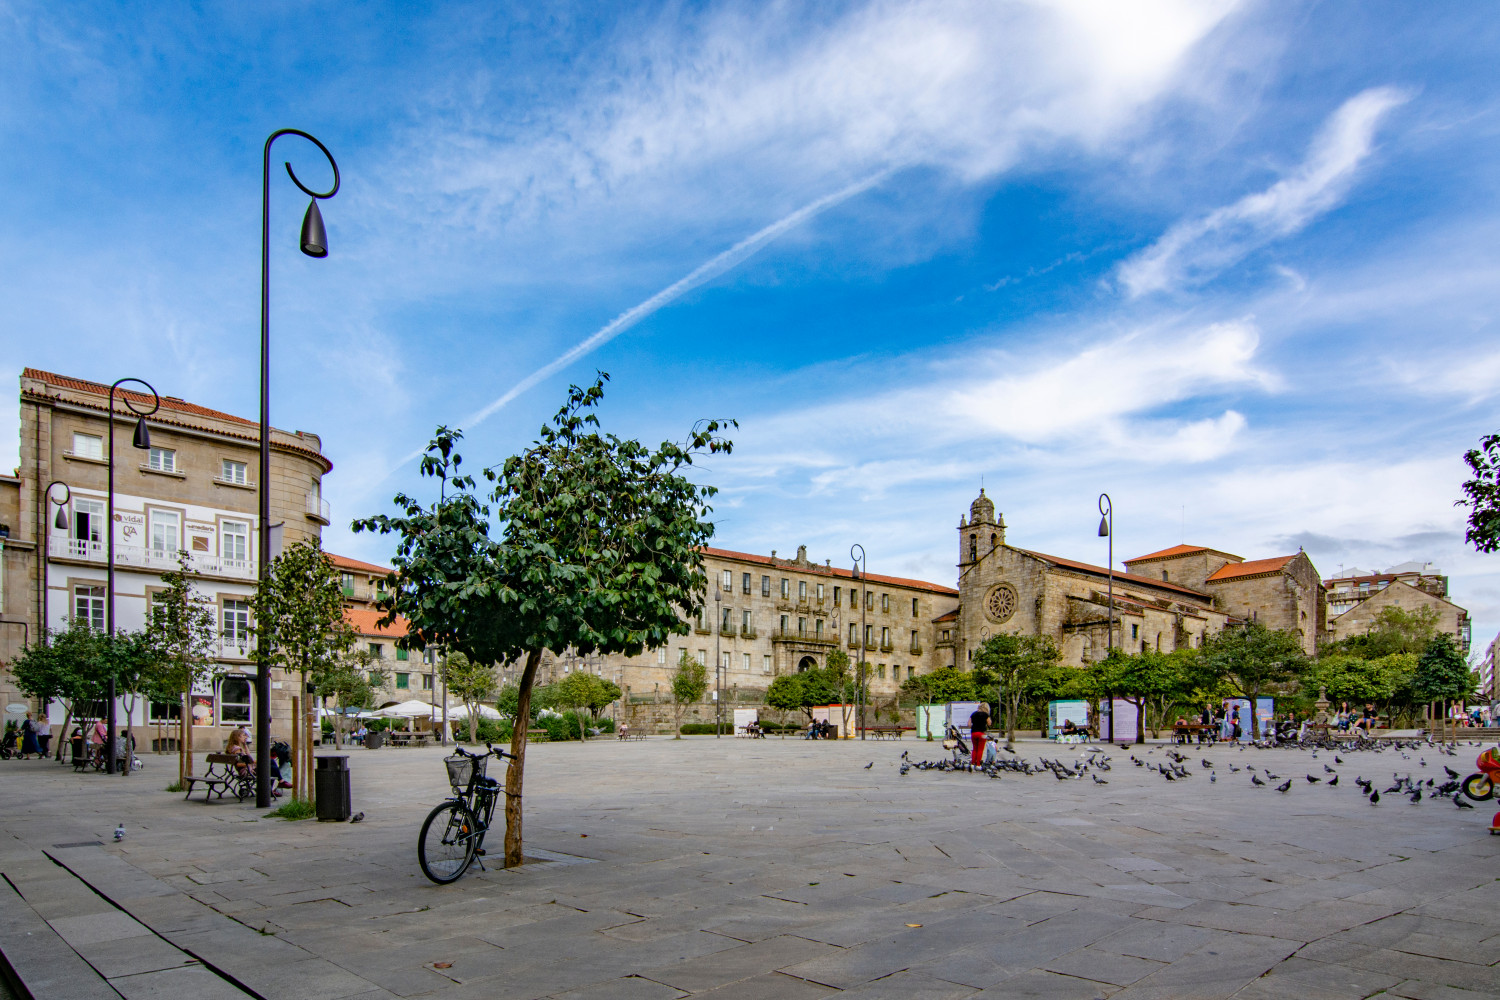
pixel 1194 250
pixel 966 85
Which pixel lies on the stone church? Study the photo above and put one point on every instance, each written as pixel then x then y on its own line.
pixel 1163 601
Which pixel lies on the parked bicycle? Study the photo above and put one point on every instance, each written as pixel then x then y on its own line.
pixel 452 836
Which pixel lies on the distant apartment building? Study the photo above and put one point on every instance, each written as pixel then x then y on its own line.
pixel 1488 693
pixel 1355 599
pixel 195 491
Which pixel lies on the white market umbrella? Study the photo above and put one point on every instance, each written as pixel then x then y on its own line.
pixel 461 713
pixel 406 710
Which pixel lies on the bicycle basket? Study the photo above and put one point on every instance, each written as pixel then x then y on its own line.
pixel 461 770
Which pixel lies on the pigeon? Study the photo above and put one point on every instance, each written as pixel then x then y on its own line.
pixel 1206 763
pixel 1313 781
pixel 1451 773
pixel 1284 785
pixel 356 817
pixel 1212 778
pixel 1374 798
pixel 1273 777
pixel 119 833
pixel 1394 788
pixel 1458 801
pixel 1328 770
pixel 1333 781
pixel 1098 780
pixel 1336 759
pixel 869 765
pixel 1168 775
pixel 1255 780
pixel 1233 768
pixel 1416 796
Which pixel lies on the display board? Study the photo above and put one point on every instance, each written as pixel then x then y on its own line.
pixel 1059 712
pixel 744 717
pixel 1126 720
pixel 930 721
pixel 957 715
pixel 1265 710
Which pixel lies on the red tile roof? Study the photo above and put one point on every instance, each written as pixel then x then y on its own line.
pixel 951 616
pixel 1254 567
pixel 898 581
pixel 173 404
pixel 1178 550
pixel 1145 581
pixel 344 562
pixel 364 621
pixel 167 402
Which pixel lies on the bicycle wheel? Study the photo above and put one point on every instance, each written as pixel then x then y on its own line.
pixel 445 847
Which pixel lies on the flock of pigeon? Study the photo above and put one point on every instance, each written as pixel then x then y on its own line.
pixel 1175 766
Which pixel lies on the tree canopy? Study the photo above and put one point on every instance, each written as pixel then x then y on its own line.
pixel 599 549
pixel 1482 494
pixel 1254 658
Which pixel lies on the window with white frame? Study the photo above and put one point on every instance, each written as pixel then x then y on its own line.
pixel 745 617
pixel 88 445
pixel 765 663
pixel 88 606
pixel 234 700
pixel 162 459
pixel 235 630
pixel 88 522
pixel 728 620
pixel 661 656
pixel 745 662
pixel 233 472
pixel 802 590
pixel 885 604
pixel 724 658
pixel 234 540
pixel 853 633
pixel 885 637
pixel 786 588
pixel 702 657
pixel 820 593
pixel 765 586
pixel 726 580
pixel 166 531
pixel 745 582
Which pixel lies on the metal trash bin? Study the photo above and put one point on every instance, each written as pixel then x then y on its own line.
pixel 374 739
pixel 332 789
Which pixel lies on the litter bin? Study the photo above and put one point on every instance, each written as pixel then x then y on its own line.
pixel 332 787
pixel 374 739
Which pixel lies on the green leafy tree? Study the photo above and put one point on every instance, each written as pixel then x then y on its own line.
pixel 600 550
pixel 68 667
pixel 1395 630
pixel 1153 682
pixel 353 682
pixel 132 658
pixel 301 605
pixel 1482 494
pixel 1254 658
pixel 943 685
pixel 1442 675
pixel 786 694
pixel 581 690
pixel 473 683
pixel 689 683
pixel 1019 663
pixel 183 630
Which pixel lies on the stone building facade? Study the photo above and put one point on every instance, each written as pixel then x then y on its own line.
pixel 194 490
pixel 1007 589
pixel 1358 620
pixel 769 615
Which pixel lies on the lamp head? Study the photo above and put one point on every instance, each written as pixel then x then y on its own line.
pixel 1103 527
pixel 142 437
pixel 314 236
pixel 62 517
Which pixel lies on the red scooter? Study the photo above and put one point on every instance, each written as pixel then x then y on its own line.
pixel 1481 787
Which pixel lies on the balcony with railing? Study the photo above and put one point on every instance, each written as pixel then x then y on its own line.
pixel 747 631
pixel 792 635
pixel 916 648
pixel 318 509
pixel 140 557
pixel 726 628
pixel 236 648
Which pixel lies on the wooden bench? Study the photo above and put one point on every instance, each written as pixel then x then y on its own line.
pixel 1185 733
pixel 884 732
pixel 536 736
pixel 750 732
pixel 638 735
pixel 224 774
pixel 399 739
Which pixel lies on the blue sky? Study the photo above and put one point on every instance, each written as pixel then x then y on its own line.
pixel 1232 262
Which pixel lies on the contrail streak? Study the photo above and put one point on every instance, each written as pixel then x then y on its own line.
pixel 714 267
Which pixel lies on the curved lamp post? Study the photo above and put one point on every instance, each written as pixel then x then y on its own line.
pixel 314 243
pixel 1106 530
pixel 718 660
pixel 62 522
pixel 861 570
pixel 142 440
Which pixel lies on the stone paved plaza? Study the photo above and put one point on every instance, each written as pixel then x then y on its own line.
pixel 766 869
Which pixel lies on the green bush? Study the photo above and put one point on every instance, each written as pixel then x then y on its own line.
pixel 295 809
pixel 700 728
pixel 497 731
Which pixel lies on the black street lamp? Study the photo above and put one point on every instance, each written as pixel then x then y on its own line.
pixel 140 439
pixel 861 570
pixel 718 661
pixel 1106 530
pixel 314 243
pixel 63 523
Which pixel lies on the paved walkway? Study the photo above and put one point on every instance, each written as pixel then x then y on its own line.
pixel 781 869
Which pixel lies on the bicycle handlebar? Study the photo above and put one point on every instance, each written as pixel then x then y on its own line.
pixel 490 750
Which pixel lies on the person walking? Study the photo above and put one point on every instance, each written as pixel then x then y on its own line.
pixel 1235 732
pixel 979 727
pixel 43 732
pixel 28 738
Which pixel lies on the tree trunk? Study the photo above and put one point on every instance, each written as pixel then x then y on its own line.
pixel 513 774
pixel 308 787
pixel 474 723
pixel 63 736
pixel 296 747
pixel 1012 710
pixel 129 734
pixel 185 737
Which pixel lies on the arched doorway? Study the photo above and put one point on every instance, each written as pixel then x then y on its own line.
pixel 805 664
